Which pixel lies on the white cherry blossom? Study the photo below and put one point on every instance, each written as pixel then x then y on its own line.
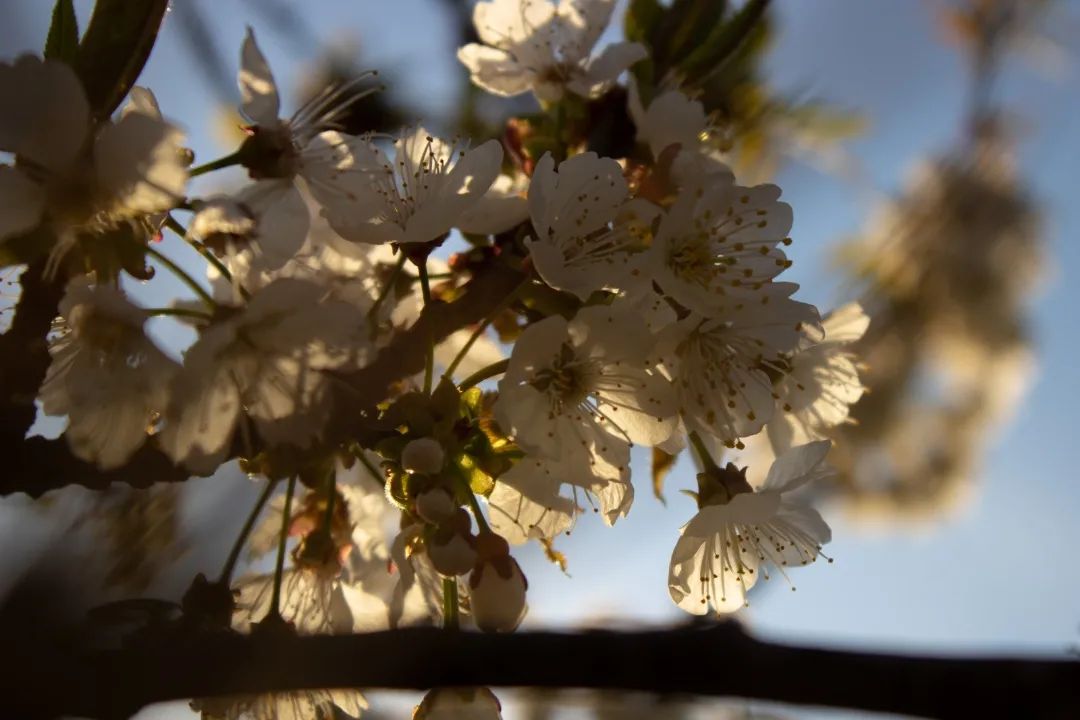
pixel 734 538
pixel 589 233
pixel 672 118
pixel 298 705
pixel 72 176
pixel 266 360
pixel 418 196
pixel 106 375
pixel 546 48
pixel 579 392
pixel 526 504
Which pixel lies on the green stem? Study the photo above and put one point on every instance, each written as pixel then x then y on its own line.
pixel 703 452
pixel 234 554
pixel 180 230
pixel 425 290
pixel 224 162
pixel 450 603
pixel 495 368
pixel 275 600
pixel 180 312
pixel 183 276
pixel 483 326
pixel 474 504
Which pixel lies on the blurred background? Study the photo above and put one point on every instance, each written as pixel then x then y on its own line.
pixel 930 153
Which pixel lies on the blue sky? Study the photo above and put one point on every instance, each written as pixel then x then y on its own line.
pixel 995 575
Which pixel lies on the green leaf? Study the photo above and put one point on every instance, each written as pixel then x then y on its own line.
pixel 63 40
pixel 662 463
pixel 722 41
pixel 114 49
pixel 479 481
pixel 642 18
pixel 693 21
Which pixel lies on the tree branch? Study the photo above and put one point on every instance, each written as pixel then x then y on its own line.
pixel 720 661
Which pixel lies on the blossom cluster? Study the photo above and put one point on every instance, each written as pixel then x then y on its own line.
pixel 649 312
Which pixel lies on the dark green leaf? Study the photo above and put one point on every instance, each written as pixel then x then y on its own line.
pixel 63 40
pixel 723 40
pixel 642 18
pixel 115 47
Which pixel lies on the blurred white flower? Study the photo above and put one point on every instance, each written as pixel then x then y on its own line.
pixel 589 232
pixel 106 375
pixel 738 532
pixel 419 196
pixel 267 359
pixel 672 118
pixel 579 392
pixel 71 176
pixel 536 45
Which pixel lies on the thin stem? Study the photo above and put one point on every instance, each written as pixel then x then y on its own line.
pixel 384 292
pixel 183 276
pixel 275 600
pixel 450 603
pixel 495 368
pixel 223 162
pixel 703 452
pixel 474 504
pixel 425 290
pixel 180 230
pixel 234 554
pixel 481 328
pixel 180 312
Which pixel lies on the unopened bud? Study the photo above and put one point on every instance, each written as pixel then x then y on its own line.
pixel 435 506
pixel 450 546
pixel 424 455
pixel 497 586
pixel 459 704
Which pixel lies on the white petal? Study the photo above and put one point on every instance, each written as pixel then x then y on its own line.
pixel 139 162
pixel 46 116
pixel 846 324
pixel 526 504
pixel 259 96
pixel 798 466
pixel 142 100
pixel 21 202
pixel 604 69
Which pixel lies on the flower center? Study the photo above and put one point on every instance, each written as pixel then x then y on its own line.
pixel 270 152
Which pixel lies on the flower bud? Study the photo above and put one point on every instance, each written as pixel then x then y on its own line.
pixel 459 704
pixel 435 506
pixel 423 455
pixel 497 586
pixel 450 546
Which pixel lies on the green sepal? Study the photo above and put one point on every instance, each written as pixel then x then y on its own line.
pixel 63 39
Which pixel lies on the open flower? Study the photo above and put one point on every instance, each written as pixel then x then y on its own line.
pixel 739 532
pixel 106 375
pixel 536 45
pixel 75 179
pixel 589 232
pixel 267 360
pixel 525 503
pixel 579 392
pixel 421 194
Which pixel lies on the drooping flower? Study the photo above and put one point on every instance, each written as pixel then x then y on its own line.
pixel 536 45
pixel 266 360
pixel 72 177
pixel 526 504
pixel 106 375
pixel 590 233
pixel 421 194
pixel 739 532
pixel 720 364
pixel 579 392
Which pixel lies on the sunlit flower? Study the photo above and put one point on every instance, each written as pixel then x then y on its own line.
pixel 579 392
pixel 459 704
pixel 739 532
pixel 719 242
pixel 298 705
pixel 267 360
pixel 536 45
pixel 589 232
pixel 72 177
pixel 106 375
pixel 421 194
pixel 720 365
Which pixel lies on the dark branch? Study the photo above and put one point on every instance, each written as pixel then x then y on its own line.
pixel 721 661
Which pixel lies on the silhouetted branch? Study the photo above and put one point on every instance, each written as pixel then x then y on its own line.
pixel 721 661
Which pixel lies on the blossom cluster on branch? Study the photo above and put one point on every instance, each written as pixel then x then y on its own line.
pixel 648 311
